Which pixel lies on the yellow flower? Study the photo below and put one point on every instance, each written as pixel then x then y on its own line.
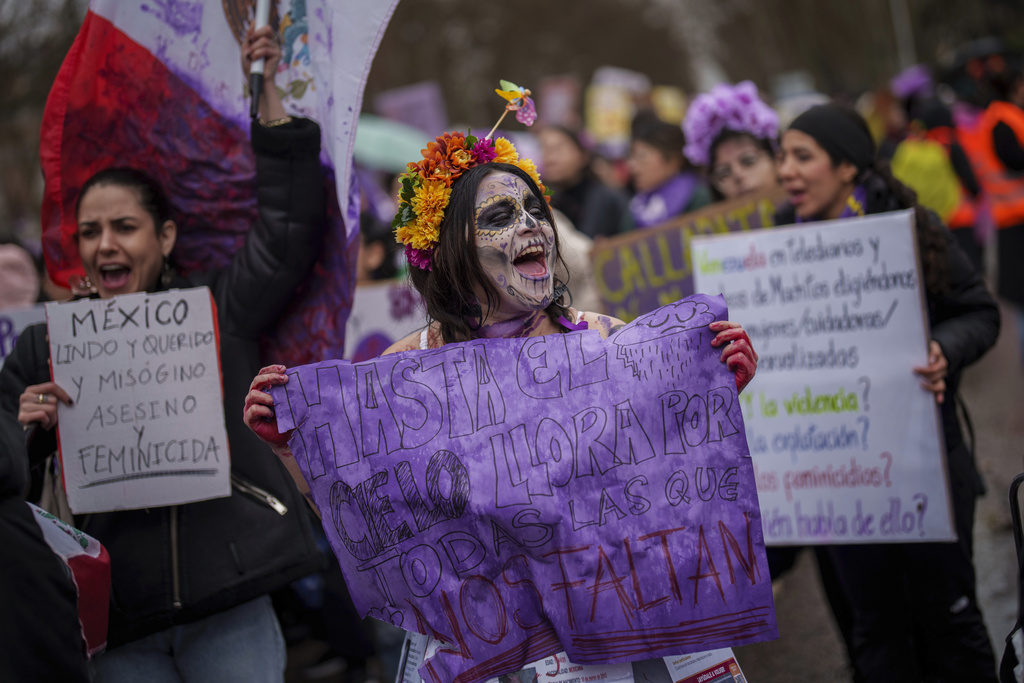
pixel 529 168
pixel 506 153
pixel 428 203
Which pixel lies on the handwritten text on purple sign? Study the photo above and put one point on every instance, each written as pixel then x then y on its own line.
pixel 517 497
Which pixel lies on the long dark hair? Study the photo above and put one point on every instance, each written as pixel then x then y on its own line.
pixel 448 289
pixel 931 238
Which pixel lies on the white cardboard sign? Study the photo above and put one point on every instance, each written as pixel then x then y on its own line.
pixel 147 425
pixel 846 444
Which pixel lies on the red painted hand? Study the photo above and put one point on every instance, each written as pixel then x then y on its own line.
pixel 738 355
pixel 259 414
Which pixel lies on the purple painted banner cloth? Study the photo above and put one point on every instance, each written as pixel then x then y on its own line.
pixel 517 497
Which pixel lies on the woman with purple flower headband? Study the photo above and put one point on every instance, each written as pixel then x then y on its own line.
pixel 732 133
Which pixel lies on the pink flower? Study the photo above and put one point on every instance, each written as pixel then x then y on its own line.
pixel 421 258
pixel 484 152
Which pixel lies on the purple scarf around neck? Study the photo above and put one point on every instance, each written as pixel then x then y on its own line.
pixel 663 202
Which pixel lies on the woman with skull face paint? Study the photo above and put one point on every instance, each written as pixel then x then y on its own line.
pixel 484 255
pixel 915 612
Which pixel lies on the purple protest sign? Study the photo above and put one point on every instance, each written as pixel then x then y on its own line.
pixel 517 497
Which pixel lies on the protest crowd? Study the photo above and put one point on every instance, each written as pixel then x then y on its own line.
pixel 494 248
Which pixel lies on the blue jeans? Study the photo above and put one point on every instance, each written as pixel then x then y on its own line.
pixel 242 644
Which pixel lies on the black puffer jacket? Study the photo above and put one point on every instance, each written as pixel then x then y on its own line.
pixel 964 319
pixel 178 564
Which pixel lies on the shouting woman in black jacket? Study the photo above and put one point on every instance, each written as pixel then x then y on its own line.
pixel 915 613
pixel 190 582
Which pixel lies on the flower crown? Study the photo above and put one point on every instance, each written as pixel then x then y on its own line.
pixel 427 184
pixel 726 107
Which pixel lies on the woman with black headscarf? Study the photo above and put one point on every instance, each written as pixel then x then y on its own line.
pixel 916 615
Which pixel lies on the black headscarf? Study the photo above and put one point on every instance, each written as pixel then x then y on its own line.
pixel 840 132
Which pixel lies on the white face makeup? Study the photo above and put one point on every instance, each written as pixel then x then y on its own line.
pixel 515 243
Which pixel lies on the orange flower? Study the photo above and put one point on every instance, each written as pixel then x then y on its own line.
pixel 446 158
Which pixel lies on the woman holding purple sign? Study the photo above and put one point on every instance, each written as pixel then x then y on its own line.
pixel 915 612
pixel 484 254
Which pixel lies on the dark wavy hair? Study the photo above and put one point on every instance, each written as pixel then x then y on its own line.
pixel 669 140
pixel 931 237
pixel 448 290
pixel 150 194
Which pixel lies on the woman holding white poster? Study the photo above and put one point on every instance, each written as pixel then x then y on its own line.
pixel 916 616
pixel 190 583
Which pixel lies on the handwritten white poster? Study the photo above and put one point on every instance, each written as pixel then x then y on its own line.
pixel 846 444
pixel 147 425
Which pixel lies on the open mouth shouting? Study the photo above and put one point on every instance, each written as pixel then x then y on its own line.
pixel 114 276
pixel 796 195
pixel 515 242
pixel 532 262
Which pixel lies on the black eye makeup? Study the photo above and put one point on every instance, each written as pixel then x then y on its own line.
pixel 497 213
pixel 534 206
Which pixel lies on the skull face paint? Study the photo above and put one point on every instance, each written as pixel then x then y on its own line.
pixel 515 243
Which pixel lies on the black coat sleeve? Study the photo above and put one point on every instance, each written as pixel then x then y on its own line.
pixel 965 319
pixel 962 167
pixel 283 245
pixel 1008 147
pixel 28 364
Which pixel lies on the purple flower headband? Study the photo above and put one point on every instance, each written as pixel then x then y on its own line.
pixel 726 107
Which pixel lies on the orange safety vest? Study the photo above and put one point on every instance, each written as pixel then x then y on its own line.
pixel 1003 188
pixel 965 214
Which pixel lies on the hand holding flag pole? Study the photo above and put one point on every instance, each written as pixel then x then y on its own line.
pixel 256 72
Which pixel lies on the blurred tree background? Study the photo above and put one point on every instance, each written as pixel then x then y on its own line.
pixel 34 37
pixel 467 45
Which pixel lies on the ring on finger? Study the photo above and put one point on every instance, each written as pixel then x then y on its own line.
pixel 42 398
